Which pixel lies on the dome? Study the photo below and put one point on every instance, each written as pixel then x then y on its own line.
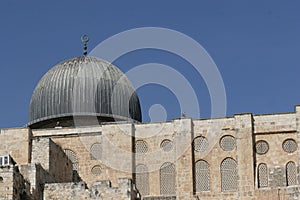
pixel 81 89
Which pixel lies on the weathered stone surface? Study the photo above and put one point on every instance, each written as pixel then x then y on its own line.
pixel 45 171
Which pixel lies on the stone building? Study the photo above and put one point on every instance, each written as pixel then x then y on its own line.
pixel 85 140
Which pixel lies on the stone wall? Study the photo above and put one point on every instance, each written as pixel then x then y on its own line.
pixel 37 177
pixel 181 143
pixel 12 184
pixel 100 190
pixel 116 150
pixel 53 159
pixel 17 143
pixel 285 193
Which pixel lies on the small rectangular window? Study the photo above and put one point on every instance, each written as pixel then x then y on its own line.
pixel 5 160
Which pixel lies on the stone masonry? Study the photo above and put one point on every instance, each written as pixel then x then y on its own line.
pixel 248 157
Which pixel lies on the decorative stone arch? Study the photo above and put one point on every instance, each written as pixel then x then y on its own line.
pixel 74 159
pixel 262 175
pixel 229 175
pixel 202 176
pixel 142 179
pixel 96 151
pixel 291 173
pixel 167 179
pixel 140 147
pixel 200 144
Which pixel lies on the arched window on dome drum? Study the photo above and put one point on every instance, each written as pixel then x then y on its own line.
pixel 262 175
pixel 96 151
pixel 291 173
pixel 229 175
pixel 167 179
pixel 202 177
pixel 73 158
pixel 142 179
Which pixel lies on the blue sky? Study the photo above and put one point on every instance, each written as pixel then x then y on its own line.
pixel 255 44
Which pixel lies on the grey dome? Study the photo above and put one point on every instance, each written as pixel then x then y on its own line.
pixel 83 87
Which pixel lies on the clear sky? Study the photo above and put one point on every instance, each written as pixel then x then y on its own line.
pixel 255 45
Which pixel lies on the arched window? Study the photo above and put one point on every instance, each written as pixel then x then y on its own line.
pixel 73 158
pixel 200 144
pixel 140 147
pixel 142 179
pixel 291 173
pixel 229 175
pixel 201 179
pixel 262 175
pixel 167 179
pixel 96 151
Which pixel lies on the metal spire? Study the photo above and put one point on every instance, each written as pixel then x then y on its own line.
pixel 85 39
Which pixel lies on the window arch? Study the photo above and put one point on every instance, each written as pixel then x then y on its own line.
pixel 73 158
pixel 200 144
pixel 141 147
pixel 229 175
pixel 142 179
pixel 202 177
pixel 167 179
pixel 96 151
pixel 262 175
pixel 291 173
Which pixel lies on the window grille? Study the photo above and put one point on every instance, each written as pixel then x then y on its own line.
pixel 141 147
pixel 201 179
pixel 228 143
pixel 261 147
pixel 167 179
pixel 73 158
pixel 166 145
pixel 142 179
pixel 200 144
pixel 289 146
pixel 229 175
pixel 96 151
pixel 262 175
pixel 291 173
pixel 96 170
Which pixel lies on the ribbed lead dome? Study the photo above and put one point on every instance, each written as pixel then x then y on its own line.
pixel 83 87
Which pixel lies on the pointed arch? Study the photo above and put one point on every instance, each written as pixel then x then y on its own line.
pixel 202 176
pixel 142 179
pixel 291 173
pixel 229 175
pixel 167 179
pixel 262 175
pixel 96 151
pixel 74 159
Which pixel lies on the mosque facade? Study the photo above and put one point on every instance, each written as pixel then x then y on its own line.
pixel 85 139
